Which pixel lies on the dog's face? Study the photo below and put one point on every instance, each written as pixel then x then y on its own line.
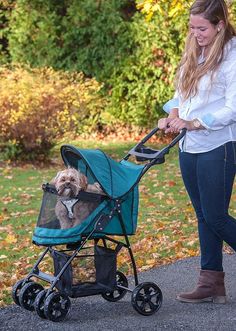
pixel 69 182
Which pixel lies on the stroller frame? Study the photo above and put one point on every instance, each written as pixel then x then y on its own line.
pixel 53 303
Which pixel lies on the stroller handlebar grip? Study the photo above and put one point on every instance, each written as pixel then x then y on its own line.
pixel 144 153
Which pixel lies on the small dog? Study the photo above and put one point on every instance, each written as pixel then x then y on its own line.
pixel 69 210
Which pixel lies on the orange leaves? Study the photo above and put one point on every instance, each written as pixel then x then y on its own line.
pixel 150 7
pixel 51 102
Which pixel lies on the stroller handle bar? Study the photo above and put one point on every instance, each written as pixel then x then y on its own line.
pixel 144 153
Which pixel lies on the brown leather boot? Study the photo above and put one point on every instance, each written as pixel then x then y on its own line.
pixel 210 288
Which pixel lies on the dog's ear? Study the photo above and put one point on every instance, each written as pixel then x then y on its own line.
pixel 54 180
pixel 83 181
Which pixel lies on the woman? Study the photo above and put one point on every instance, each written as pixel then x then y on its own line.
pixel 206 93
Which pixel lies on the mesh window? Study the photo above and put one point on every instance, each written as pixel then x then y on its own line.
pixel 47 217
pixel 64 214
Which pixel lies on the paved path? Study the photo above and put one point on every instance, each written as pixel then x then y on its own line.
pixel 94 313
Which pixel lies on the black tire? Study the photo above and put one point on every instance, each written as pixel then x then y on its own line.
pixel 16 291
pixel 56 306
pixel 146 298
pixel 28 294
pixel 118 293
pixel 39 303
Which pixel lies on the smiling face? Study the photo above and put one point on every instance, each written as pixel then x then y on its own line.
pixel 204 31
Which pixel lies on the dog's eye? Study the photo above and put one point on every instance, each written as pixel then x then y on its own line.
pixel 63 179
pixel 72 179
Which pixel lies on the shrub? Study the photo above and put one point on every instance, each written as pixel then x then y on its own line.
pixel 40 105
pixel 110 40
pixel 144 82
pixel 86 35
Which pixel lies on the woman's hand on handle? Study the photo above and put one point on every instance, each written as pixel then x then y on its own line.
pixel 177 124
pixel 163 123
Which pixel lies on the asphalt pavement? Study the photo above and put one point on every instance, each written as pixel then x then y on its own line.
pixel 94 313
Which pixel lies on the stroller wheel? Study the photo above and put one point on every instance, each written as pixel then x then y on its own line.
pixel 28 294
pixel 39 303
pixel 146 298
pixel 16 291
pixel 119 292
pixel 56 306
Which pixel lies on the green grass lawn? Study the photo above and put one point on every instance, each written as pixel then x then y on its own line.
pixel 166 226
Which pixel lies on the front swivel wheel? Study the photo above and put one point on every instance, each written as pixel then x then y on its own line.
pixel 28 294
pixel 39 303
pixel 16 290
pixel 56 306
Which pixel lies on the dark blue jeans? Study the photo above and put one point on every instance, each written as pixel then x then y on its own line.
pixel 209 179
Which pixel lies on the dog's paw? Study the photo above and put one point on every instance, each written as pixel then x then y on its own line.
pixel 95 188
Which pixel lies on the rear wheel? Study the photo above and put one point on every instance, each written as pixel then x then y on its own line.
pixel 119 292
pixel 146 298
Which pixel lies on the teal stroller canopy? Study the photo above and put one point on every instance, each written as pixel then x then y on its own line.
pixel 116 178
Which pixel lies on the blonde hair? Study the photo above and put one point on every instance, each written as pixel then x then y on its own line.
pixel 189 71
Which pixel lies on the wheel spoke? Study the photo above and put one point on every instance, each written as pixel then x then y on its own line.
pixel 142 305
pixel 147 290
pixel 152 305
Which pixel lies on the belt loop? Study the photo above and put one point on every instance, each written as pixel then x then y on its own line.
pixel 234 150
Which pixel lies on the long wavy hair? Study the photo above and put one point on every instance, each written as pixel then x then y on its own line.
pixel 189 71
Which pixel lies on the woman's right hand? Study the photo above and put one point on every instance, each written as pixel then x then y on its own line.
pixel 163 124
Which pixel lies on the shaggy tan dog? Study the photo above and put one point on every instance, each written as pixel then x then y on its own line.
pixel 69 210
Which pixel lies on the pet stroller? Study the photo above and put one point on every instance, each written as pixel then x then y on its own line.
pixel 96 238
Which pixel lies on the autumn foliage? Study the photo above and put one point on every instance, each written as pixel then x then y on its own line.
pixel 39 105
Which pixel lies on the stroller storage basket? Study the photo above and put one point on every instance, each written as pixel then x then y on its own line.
pixel 70 283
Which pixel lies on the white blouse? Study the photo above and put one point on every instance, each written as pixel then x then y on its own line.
pixel 214 106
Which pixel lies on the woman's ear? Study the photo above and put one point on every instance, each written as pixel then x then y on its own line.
pixel 220 25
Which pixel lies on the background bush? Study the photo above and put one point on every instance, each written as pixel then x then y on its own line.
pixel 86 35
pixel 109 40
pixel 144 82
pixel 40 105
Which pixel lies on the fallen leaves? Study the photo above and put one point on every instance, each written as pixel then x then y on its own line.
pixel 11 239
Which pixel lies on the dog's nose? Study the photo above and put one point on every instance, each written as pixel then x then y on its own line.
pixel 67 184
